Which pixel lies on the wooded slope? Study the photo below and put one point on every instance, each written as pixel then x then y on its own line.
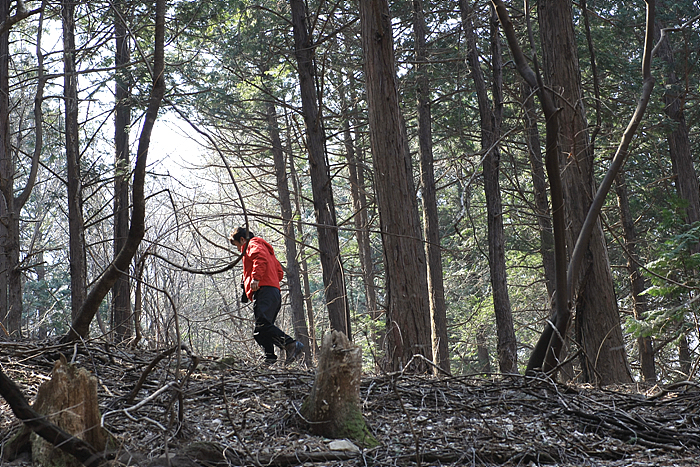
pixel 243 414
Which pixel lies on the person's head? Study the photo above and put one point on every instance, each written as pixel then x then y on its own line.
pixel 239 237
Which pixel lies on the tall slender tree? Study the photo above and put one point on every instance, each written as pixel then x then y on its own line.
pixel 81 323
pixel 13 201
pixel 639 299
pixel 324 206
pixel 539 185
pixel 296 297
pixel 687 185
pixel 76 224
pixel 490 113
pixel 121 295
pixel 359 199
pixel 431 224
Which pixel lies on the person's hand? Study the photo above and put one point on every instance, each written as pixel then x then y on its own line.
pixel 255 285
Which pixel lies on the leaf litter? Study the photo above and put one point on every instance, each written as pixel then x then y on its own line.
pixel 204 412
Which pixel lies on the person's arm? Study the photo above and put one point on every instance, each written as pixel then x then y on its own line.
pixel 259 259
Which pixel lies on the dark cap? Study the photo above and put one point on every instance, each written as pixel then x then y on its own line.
pixel 240 233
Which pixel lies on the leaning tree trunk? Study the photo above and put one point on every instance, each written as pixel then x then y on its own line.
pixel 321 186
pixel 408 309
pixel 81 323
pixel 333 407
pixel 598 329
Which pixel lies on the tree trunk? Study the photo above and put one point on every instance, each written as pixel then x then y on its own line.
pixel 687 183
pixel 295 296
pixel 11 280
pixel 637 287
pixel 42 330
pixel 431 224
pixel 321 186
pixel 539 184
pixel 333 406
pixel 684 172
pixel 359 203
pixel 482 352
pixel 598 329
pixel 11 316
pixel 490 133
pixel 81 323
pixel 44 428
pixel 76 224
pixel 138 301
pixel 304 267
pixel 121 294
pixel 408 308
pixel 14 271
pixel 69 401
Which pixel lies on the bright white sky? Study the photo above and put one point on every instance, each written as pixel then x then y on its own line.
pixel 175 144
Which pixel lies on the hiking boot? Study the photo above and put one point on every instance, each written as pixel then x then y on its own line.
pixel 293 351
pixel 270 360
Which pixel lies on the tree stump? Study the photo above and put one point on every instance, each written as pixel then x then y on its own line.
pixel 333 407
pixel 68 400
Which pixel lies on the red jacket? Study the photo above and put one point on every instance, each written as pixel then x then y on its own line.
pixel 260 264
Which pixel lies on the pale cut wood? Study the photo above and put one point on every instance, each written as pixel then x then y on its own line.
pixel 333 407
pixel 68 400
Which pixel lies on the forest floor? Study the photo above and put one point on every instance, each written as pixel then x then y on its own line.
pixel 238 413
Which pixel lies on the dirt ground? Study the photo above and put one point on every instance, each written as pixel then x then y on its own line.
pixel 243 413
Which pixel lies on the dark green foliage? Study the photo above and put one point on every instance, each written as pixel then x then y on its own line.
pixel 47 304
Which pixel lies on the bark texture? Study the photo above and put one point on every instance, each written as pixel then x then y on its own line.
pixel 44 428
pixel 490 117
pixel 598 327
pixel 296 299
pixel 431 224
pixel 121 294
pixel 333 407
pixel 408 308
pixel 69 401
pixel 321 187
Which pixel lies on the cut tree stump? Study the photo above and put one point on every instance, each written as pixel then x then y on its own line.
pixel 68 400
pixel 333 407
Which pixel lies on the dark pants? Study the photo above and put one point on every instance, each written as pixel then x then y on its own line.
pixel 267 302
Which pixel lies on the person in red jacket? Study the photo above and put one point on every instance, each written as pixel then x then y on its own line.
pixel 262 273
